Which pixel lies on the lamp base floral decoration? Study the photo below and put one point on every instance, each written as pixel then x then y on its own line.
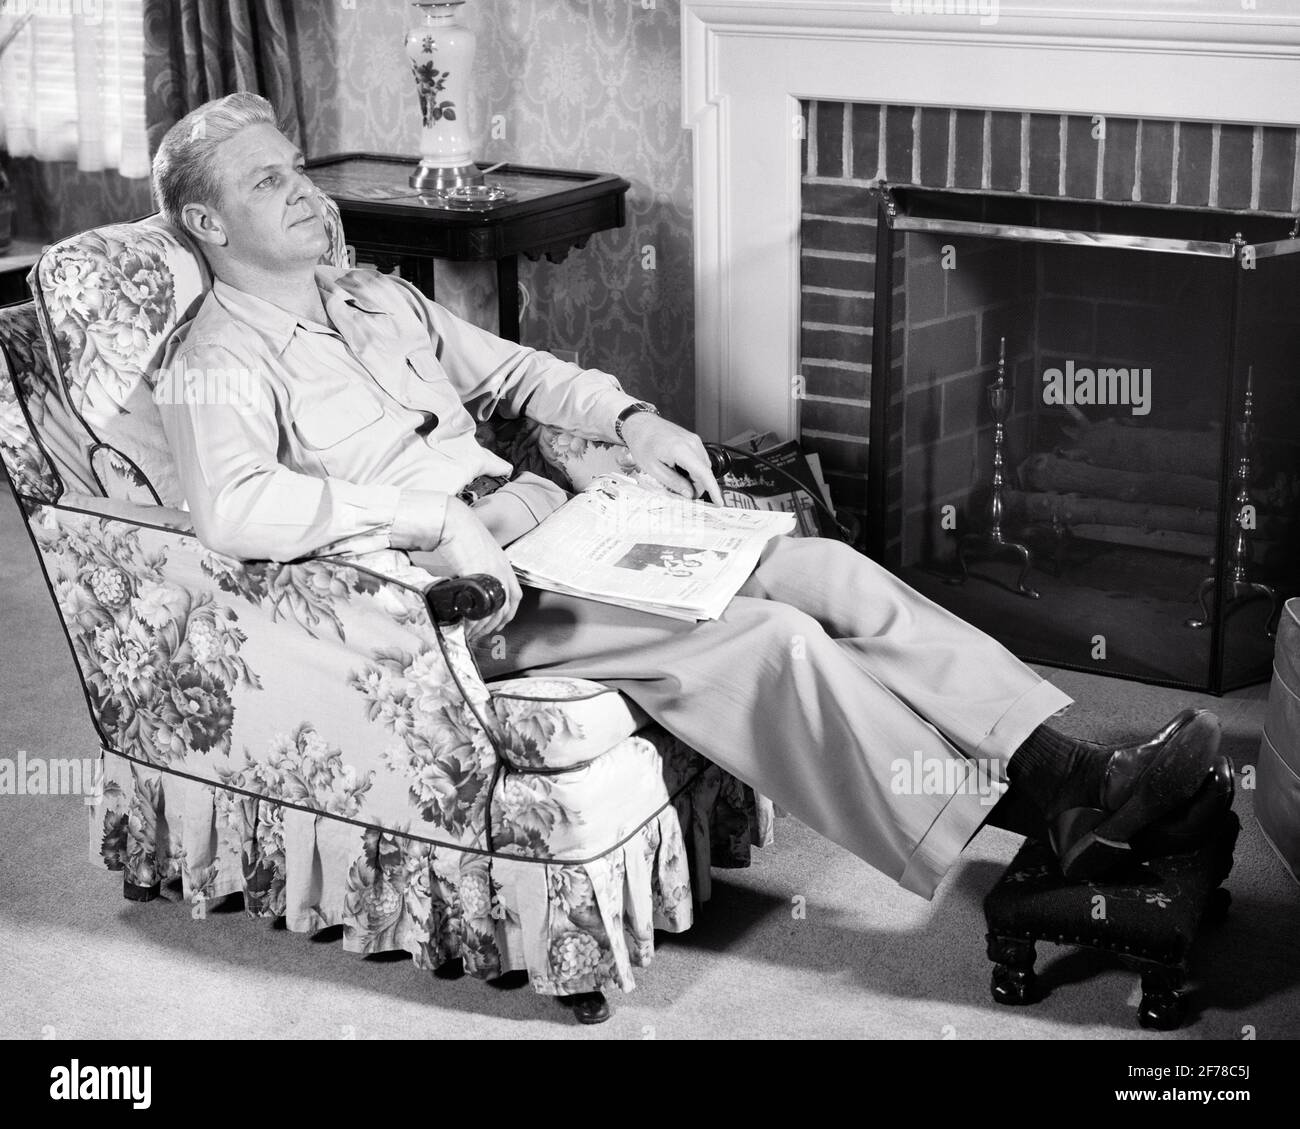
pixel 441 51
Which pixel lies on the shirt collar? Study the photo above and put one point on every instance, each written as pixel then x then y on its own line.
pixel 276 324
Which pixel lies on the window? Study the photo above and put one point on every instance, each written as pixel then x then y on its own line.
pixel 72 83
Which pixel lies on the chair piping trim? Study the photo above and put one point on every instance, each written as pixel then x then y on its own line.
pixel 109 748
pixel 98 445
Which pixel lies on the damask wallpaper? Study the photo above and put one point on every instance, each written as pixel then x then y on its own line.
pixel 584 84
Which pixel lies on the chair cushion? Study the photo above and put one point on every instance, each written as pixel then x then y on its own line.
pixel 556 723
pixel 583 812
pixel 109 299
pixel 581 460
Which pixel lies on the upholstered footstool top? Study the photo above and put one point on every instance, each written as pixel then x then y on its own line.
pixel 1149 915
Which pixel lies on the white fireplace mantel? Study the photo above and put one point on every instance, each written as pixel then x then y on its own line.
pixel 747 64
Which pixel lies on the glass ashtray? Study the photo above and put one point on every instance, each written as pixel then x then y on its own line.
pixel 472 196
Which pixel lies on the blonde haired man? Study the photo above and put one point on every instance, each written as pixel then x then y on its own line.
pixel 823 672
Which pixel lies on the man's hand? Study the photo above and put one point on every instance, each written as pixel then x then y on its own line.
pixel 467 547
pixel 663 450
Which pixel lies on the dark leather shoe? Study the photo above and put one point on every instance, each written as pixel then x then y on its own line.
pixel 1186 829
pixel 588 1007
pixel 452 969
pixel 1128 762
pixel 1142 783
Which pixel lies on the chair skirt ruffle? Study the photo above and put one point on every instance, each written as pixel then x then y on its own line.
pixel 579 924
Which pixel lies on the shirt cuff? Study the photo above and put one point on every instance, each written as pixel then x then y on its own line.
pixel 418 522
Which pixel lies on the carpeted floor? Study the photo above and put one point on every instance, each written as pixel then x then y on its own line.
pixel 866 960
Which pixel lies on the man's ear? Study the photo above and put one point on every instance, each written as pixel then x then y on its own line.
pixel 201 222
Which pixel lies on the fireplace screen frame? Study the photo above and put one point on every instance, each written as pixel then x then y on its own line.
pixel 904 209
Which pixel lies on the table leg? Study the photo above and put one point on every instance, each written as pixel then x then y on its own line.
pixel 508 297
pixel 418 270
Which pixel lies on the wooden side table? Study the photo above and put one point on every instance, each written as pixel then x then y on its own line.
pixel 15 261
pixel 548 212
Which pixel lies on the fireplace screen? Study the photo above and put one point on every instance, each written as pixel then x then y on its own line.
pixel 1090 448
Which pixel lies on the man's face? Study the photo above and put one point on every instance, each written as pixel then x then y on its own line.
pixel 269 208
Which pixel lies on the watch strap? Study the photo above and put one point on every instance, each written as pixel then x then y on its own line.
pixel 627 413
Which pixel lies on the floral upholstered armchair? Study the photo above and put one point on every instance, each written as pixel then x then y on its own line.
pixel 307 734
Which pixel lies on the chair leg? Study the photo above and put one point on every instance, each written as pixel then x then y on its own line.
pixel 133 893
pixel 1013 981
pixel 452 969
pixel 511 981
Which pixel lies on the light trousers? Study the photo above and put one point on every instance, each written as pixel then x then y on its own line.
pixel 878 718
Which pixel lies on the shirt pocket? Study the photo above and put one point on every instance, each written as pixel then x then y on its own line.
pixel 432 390
pixel 423 362
pixel 326 427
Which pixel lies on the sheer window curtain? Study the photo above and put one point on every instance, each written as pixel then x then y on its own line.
pixel 72 84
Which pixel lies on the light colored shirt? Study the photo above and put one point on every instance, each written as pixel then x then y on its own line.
pixel 294 438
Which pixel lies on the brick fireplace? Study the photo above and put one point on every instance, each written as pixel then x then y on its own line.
pixel 850 147
pixel 1145 270
pixel 798 108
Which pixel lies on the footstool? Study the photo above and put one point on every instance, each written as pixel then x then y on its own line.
pixel 1148 916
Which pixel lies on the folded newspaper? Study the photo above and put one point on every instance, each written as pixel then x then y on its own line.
pixel 623 544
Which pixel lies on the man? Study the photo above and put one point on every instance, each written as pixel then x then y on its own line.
pixel 823 674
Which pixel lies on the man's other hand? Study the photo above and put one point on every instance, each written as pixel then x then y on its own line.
pixel 467 547
pixel 664 451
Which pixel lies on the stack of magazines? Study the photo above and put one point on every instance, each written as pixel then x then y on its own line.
pixel 765 474
pixel 623 544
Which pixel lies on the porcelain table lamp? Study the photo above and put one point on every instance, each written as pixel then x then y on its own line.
pixel 441 51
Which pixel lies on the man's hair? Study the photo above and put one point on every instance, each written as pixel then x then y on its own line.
pixel 184 168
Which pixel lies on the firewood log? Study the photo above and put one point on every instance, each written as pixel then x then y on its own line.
pixel 1135 447
pixel 1051 473
pixel 1187 544
pixel 1075 510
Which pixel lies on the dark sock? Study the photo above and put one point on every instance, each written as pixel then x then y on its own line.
pixel 1015 812
pixel 1055 772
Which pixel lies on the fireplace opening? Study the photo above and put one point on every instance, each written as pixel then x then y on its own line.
pixel 1083 426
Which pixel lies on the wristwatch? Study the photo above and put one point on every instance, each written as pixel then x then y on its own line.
pixel 631 410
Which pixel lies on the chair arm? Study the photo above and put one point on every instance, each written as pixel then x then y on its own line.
pixel 464 597
pixel 321 683
pixel 137 513
pixel 449 599
pixel 584 460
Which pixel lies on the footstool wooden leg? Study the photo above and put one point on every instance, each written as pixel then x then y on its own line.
pixel 1163 1006
pixel 1216 912
pixel 1013 970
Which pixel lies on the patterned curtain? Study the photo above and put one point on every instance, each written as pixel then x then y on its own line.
pixel 196 50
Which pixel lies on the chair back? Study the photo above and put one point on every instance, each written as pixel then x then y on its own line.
pixel 30 405
pixel 108 299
